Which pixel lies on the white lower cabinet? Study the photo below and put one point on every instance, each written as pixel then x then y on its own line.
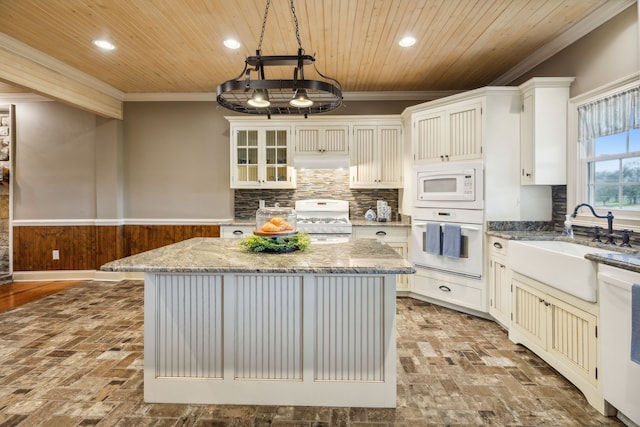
pixel 499 281
pixel 562 330
pixel 460 294
pixel 235 231
pixel 396 237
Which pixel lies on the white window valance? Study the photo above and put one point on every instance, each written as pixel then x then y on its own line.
pixel 609 115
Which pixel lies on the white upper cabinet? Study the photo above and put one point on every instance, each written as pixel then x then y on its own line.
pixel 376 156
pixel 261 157
pixel 543 131
pixel 321 140
pixel 448 133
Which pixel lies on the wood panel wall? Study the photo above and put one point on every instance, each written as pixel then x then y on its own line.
pixel 87 247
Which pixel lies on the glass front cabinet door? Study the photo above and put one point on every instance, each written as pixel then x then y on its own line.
pixel 261 158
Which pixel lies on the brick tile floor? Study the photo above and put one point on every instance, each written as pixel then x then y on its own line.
pixel 75 358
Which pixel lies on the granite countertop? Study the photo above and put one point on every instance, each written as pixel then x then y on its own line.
pixel 365 223
pixel 355 222
pixel 216 255
pixel 629 262
pixel 524 235
pixel 625 258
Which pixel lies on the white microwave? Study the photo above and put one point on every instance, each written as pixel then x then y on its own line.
pixel 450 185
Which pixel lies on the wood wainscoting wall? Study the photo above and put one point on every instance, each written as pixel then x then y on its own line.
pixel 87 247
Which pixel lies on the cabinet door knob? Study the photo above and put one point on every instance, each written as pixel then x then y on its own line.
pixel 238 232
pixel 381 233
pixel 444 288
pixel 497 245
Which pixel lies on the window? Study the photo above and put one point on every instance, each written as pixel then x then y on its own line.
pixel 609 135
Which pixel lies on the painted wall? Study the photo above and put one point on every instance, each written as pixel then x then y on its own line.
pixel 55 162
pixel 176 161
pixel 605 55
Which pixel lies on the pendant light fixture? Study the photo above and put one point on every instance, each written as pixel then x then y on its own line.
pixel 261 96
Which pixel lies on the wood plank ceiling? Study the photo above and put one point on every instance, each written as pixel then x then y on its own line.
pixel 176 46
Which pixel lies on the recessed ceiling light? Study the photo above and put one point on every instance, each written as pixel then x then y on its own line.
pixel 232 44
pixel 103 44
pixel 407 41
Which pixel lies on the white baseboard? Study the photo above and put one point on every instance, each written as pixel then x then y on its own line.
pixel 107 276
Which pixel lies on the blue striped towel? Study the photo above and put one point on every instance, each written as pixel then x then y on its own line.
pixel 451 239
pixel 434 239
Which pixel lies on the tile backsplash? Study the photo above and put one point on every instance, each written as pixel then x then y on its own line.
pixel 316 184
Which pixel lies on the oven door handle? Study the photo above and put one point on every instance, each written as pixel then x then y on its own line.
pixel 422 222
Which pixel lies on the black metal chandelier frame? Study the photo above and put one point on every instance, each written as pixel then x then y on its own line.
pixel 277 95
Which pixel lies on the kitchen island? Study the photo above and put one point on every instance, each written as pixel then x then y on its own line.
pixel 226 326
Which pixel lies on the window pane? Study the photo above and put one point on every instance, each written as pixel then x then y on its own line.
pixel 612 144
pixel 605 196
pixel 631 197
pixel 604 172
pixel 631 170
pixel 634 140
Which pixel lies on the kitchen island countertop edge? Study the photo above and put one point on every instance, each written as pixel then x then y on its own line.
pixel 218 255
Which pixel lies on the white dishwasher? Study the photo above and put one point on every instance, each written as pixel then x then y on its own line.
pixel 620 376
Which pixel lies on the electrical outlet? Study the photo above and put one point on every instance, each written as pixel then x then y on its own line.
pixel 56 254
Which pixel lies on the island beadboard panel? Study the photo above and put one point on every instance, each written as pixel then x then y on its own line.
pixel 87 247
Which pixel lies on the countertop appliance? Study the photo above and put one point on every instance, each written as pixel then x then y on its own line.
pixel 620 375
pixel 452 185
pixel 325 220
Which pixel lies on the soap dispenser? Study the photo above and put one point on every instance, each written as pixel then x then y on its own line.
pixel 567 230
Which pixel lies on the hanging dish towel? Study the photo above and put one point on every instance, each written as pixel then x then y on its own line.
pixel 434 238
pixel 635 323
pixel 451 239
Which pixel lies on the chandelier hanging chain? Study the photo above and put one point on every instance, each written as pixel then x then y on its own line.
pixel 264 25
pixel 295 22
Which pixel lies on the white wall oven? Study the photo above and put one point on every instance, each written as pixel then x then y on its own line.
pixel 435 231
pixel 458 185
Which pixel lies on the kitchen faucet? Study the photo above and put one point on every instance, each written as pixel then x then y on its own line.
pixel 608 216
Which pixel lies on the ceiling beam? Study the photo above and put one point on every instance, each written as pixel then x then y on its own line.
pixel 29 68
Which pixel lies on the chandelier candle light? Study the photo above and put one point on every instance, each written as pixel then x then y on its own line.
pixel 298 96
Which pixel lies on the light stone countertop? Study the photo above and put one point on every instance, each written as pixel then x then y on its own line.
pixel 629 262
pixel 625 258
pixel 219 255
pixel 354 222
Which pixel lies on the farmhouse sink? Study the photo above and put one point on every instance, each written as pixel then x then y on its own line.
pixel 559 264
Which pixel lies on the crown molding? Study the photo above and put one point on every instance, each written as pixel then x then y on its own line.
pixel 603 14
pixel 347 96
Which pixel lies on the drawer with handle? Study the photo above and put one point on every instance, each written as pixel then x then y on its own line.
pixel 387 234
pixel 238 232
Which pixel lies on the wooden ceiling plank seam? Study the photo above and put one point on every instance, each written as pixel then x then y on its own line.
pixel 498 58
pixel 481 12
pixel 417 67
pixel 438 26
pixel 477 53
pixel 370 46
pixel 402 62
pixel 362 14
